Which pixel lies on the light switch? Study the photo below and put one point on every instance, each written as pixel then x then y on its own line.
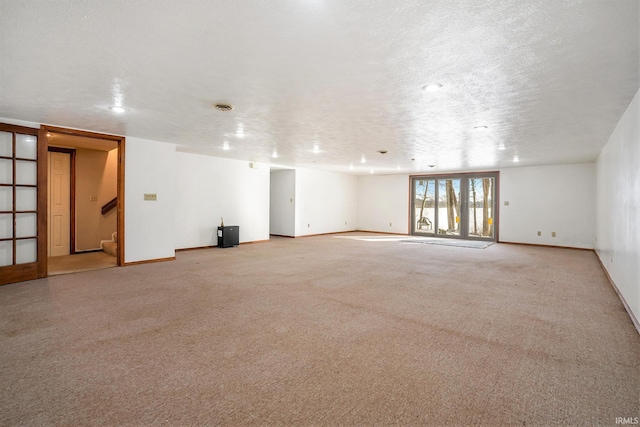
pixel 152 196
pixel 506 203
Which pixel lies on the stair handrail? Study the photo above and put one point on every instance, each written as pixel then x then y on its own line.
pixel 109 205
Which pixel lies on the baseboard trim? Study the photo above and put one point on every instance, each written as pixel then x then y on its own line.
pixel 383 232
pixel 254 241
pixel 323 234
pixel 282 235
pixel 149 261
pixel 546 246
pixel 633 318
pixel 197 248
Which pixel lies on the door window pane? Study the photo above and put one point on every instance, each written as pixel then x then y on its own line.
pixel 6 148
pixel 26 225
pixel 26 173
pixel 6 171
pixel 449 207
pixel 6 198
pixel 26 146
pixel 6 253
pixel 26 198
pixel 6 226
pixel 425 202
pixel 26 251
pixel 481 207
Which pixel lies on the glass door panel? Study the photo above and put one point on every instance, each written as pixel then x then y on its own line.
pixel 6 253
pixel 455 206
pixel 425 206
pixel 26 147
pixel 481 210
pixel 449 207
pixel 6 144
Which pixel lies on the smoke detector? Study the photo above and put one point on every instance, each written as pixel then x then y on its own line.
pixel 223 107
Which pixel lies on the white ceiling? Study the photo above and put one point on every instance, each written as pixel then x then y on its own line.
pixel 549 78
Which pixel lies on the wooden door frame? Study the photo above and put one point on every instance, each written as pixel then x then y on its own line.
pixel 120 140
pixel 457 175
pixel 72 198
pixel 38 269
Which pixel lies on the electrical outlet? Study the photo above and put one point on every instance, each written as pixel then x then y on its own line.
pixel 308 225
pixel 93 198
pixel 345 223
pixel 553 234
pixel 539 233
pixel 389 224
pixel 151 196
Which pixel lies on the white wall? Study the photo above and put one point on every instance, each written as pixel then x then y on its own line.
pixel 618 207
pixel 326 202
pixel 211 188
pixel 383 203
pixel 282 212
pixel 149 225
pixel 546 199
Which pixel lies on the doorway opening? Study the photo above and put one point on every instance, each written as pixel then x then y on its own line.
pixel 84 201
pixel 458 206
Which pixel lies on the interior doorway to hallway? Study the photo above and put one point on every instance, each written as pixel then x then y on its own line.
pixel 85 200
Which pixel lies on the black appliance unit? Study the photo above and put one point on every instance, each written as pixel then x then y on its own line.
pixel 228 236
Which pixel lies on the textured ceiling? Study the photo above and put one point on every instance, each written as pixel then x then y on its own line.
pixel 550 79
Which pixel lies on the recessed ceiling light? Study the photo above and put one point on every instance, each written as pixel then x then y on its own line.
pixel 316 148
pixel 350 166
pixel 432 166
pixel 383 151
pixel 363 160
pixel 482 127
pixel 371 171
pixel 225 146
pixel 275 155
pixel 501 147
pixel 118 109
pixel 516 159
pixel 432 87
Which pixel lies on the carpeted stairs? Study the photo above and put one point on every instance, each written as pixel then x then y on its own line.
pixel 111 246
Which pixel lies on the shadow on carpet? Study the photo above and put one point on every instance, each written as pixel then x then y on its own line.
pixel 475 244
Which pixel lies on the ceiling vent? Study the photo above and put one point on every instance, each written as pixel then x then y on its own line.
pixel 223 107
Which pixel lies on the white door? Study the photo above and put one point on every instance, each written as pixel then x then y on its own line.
pixel 59 204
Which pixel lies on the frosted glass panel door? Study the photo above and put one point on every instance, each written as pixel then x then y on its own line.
pixel 21 205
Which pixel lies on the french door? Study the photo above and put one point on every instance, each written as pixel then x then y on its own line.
pixel 23 243
pixel 455 206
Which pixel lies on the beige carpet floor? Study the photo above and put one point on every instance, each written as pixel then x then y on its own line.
pixel 323 331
